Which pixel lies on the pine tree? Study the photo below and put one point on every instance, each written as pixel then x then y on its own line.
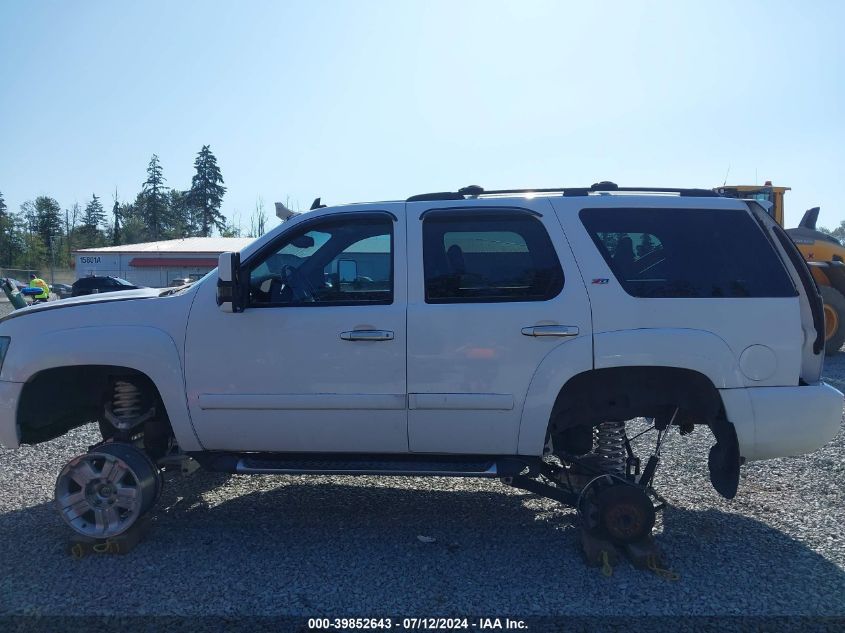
pixel 206 194
pixel 94 215
pixel 115 210
pixel 180 214
pixel 93 218
pixel 153 199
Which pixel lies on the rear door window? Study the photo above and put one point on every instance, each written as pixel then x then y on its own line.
pixel 478 258
pixel 688 253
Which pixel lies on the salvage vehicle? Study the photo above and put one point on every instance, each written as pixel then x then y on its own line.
pixel 62 291
pixel 96 284
pixel 508 334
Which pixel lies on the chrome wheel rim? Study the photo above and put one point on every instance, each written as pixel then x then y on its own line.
pixel 100 495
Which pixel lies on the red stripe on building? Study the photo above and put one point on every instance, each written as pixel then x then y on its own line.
pixel 149 262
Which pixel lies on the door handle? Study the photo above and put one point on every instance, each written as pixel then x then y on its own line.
pixel 551 330
pixel 367 335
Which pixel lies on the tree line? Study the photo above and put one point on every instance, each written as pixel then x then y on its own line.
pixel 41 233
pixel 838 232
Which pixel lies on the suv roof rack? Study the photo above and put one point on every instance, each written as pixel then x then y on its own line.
pixel 474 191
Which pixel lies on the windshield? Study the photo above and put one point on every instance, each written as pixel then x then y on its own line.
pixel 122 282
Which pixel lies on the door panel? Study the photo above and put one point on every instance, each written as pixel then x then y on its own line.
pixel 469 361
pixel 281 377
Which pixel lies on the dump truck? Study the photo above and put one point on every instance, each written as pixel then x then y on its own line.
pixel 825 255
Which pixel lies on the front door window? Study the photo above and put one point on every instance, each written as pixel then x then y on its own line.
pixel 335 262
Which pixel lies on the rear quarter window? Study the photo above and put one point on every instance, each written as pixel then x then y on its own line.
pixel 693 253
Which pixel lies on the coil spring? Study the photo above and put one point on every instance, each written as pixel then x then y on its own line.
pixel 610 447
pixel 126 402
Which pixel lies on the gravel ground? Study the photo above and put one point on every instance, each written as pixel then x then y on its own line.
pixel 237 545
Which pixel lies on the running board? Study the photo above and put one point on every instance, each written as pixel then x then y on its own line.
pixel 304 466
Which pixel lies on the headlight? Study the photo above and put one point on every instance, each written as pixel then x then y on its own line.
pixel 4 347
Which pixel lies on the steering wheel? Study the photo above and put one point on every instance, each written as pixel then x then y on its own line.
pixel 301 289
pixel 286 286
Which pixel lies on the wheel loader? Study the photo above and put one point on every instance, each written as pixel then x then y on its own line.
pixel 824 254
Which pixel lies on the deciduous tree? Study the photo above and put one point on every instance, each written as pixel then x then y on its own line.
pixel 46 218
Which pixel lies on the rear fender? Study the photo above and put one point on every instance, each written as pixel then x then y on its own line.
pixel 698 350
pixel 557 367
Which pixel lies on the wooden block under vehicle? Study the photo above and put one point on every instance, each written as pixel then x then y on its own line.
pixel 597 551
pixel 644 554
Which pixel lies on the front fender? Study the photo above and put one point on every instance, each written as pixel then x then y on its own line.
pixel 146 349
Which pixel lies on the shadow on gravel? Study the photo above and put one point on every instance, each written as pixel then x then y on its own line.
pixel 317 547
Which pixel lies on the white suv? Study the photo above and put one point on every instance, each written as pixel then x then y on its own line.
pixel 503 334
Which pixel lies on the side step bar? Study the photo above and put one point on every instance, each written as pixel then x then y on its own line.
pixel 362 464
pixel 252 466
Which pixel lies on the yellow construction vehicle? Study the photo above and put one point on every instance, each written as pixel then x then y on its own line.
pixel 824 254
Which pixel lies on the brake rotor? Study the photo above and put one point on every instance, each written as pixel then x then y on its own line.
pixel 625 514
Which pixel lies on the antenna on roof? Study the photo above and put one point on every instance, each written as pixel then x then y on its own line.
pixel 316 205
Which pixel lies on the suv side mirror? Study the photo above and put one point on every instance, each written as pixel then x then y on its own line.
pixel 229 296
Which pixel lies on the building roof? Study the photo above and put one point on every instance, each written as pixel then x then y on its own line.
pixel 186 245
pixel 195 262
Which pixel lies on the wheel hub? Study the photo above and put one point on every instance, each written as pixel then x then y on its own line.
pixel 624 521
pixel 99 493
pixel 625 513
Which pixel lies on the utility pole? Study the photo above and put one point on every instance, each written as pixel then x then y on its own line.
pixel 52 267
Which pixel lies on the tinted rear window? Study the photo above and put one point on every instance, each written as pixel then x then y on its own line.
pixel 687 253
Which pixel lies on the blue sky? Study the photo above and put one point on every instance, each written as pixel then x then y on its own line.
pixel 361 100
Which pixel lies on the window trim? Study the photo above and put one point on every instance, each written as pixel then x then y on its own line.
pixel 472 213
pixel 258 257
pixel 504 211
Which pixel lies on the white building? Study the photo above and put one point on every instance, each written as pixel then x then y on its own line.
pixel 156 264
